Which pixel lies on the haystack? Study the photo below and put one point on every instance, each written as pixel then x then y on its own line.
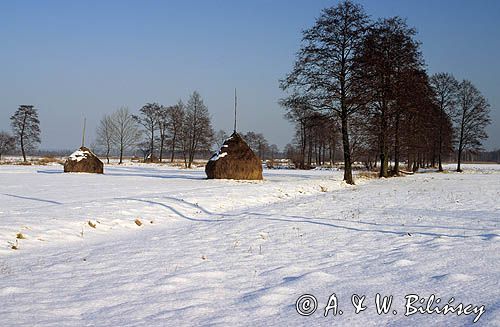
pixel 151 159
pixel 234 160
pixel 83 161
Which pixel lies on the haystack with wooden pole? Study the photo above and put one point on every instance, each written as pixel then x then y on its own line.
pixel 83 160
pixel 234 160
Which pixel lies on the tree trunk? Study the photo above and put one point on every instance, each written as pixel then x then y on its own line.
pixel 303 150
pixel 347 151
pixel 459 159
pixel 172 156
pixel 460 145
pixel 440 146
pixel 184 154
pixel 161 147
pixel 151 146
pixel 22 137
pixel 384 160
pixel 396 146
pixel 22 148
pixel 121 156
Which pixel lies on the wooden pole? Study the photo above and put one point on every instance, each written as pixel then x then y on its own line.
pixel 235 102
pixel 83 133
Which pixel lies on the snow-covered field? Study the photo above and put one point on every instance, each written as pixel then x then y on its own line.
pixel 212 252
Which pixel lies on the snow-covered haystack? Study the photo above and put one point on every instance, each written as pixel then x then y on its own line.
pixel 234 160
pixel 83 161
pixel 151 159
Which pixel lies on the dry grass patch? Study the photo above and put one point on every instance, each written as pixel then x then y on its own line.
pixel 367 174
pixel 49 160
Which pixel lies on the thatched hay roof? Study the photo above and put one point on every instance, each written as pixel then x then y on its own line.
pixel 83 161
pixel 234 160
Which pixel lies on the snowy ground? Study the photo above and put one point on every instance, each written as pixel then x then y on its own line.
pixel 241 253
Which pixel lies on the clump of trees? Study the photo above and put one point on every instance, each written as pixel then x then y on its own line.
pixel 363 84
pixel 260 146
pixel 158 129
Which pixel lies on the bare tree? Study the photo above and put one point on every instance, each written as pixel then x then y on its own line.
pixel 7 143
pixel 105 132
pixel 175 120
pixel 198 133
pixel 472 119
pixel 149 120
pixel 445 88
pixel 163 122
pixel 26 128
pixel 125 131
pixel 326 70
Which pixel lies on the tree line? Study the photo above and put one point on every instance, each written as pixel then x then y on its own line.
pixel 158 132
pixel 183 128
pixel 363 84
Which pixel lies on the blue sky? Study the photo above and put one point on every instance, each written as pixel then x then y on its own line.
pixel 87 58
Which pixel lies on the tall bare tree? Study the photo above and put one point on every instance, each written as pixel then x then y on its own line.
pixel 105 132
pixel 26 128
pixel 175 120
pixel 198 133
pixel 126 133
pixel 445 88
pixel 7 143
pixel 148 118
pixel 472 119
pixel 326 70
pixel 163 122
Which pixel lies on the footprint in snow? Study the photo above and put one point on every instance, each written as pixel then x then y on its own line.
pixel 453 277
